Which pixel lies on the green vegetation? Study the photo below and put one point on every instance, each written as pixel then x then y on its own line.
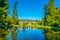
pixel 52 19
pixel 6 22
pixel 3 19
pixel 50 22
pixel 3 13
pixel 52 15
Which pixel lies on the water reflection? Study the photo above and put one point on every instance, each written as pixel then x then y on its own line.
pixel 30 35
pixel 14 33
pixel 26 34
pixel 3 34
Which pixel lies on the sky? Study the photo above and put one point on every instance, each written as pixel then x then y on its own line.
pixel 30 9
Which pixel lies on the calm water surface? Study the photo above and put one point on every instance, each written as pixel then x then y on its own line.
pixel 29 34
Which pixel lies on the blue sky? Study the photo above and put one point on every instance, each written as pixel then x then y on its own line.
pixel 30 9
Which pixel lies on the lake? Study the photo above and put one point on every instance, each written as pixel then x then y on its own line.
pixel 29 34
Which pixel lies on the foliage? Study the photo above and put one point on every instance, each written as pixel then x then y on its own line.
pixel 52 18
pixel 52 35
pixel 3 13
pixel 14 14
pixel 52 15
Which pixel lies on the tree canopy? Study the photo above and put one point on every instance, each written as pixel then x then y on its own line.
pixel 52 17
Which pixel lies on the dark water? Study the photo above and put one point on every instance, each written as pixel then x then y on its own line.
pixel 29 34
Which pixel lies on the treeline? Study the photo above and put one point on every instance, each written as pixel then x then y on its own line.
pixel 51 18
pixel 5 20
pixel 51 15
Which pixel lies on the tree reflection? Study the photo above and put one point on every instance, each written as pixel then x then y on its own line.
pixel 14 32
pixel 3 34
pixel 23 27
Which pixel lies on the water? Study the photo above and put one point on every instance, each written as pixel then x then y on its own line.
pixel 30 34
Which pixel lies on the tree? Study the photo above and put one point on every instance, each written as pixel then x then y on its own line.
pixel 52 18
pixel 14 22
pixel 3 17
pixel 14 14
pixel 45 14
pixel 50 12
pixel 3 12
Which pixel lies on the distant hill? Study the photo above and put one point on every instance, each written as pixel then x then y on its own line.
pixel 28 20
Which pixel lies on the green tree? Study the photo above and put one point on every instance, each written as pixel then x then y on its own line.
pixel 3 17
pixel 45 14
pixel 14 14
pixel 52 18
pixel 14 22
pixel 50 12
pixel 3 13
